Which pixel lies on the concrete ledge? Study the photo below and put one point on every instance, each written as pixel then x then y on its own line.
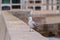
pixel 18 30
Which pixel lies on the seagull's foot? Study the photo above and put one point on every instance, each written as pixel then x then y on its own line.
pixel 31 30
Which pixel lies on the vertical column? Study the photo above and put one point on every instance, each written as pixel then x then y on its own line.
pixel 27 4
pixel 50 7
pixel 21 4
pixel 0 4
pixel 24 4
pixel 54 1
pixel 34 5
pixel 44 8
pixel 55 7
pixel 11 4
pixel 44 1
pixel 10 1
pixel 49 1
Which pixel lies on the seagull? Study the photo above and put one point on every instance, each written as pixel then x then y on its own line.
pixel 31 23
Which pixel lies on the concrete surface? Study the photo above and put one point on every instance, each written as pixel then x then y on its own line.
pixel 18 30
pixel 2 29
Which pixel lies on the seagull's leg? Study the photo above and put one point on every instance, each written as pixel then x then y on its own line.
pixel 31 30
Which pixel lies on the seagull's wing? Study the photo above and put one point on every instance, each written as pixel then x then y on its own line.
pixel 34 24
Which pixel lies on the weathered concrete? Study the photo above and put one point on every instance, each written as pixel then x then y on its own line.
pixel 3 31
pixel 52 19
pixel 18 30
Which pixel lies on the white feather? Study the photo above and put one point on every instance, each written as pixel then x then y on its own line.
pixel 31 23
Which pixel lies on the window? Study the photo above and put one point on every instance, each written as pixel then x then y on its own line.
pixel 6 1
pixel 58 8
pixel 59 26
pixel 58 1
pixel 52 1
pixel 15 1
pixel 5 7
pixel 37 1
pixel 47 1
pixel 31 1
pixel 59 33
pixel 37 8
pixel 30 7
pixel 16 6
pixel 52 7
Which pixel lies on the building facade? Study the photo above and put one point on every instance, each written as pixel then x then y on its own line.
pixel 11 4
pixel 30 4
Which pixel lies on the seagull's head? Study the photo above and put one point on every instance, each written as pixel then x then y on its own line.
pixel 30 18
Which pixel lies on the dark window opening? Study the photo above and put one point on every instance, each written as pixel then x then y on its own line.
pixel 38 8
pixel 6 1
pixel 37 1
pixel 51 34
pixel 16 6
pixel 47 1
pixel 15 1
pixel 31 1
pixel 52 7
pixel 57 7
pixel 58 1
pixel 47 7
pixel 59 26
pixel 6 8
pixel 59 33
